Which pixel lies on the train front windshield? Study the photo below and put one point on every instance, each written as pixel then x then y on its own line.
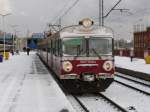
pixel 74 46
pixel 81 46
pixel 100 46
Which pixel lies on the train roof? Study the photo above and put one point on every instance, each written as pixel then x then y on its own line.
pixel 79 30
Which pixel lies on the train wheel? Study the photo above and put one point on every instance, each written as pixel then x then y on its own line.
pixel 72 86
pixel 102 85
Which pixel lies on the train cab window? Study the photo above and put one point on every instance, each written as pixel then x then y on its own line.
pixel 100 46
pixel 75 46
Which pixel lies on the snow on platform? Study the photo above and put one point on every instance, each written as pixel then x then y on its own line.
pixel 136 65
pixel 26 86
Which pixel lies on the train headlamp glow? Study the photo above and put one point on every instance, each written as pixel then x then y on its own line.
pixel 108 65
pixel 67 66
pixel 86 23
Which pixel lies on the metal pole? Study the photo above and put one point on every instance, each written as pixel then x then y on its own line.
pixel 14 41
pixel 14 35
pixel 102 13
pixel 3 22
pixel 60 23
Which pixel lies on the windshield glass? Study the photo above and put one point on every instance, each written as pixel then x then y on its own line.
pixel 100 46
pixel 75 46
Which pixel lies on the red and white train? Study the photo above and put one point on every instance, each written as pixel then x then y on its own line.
pixel 81 56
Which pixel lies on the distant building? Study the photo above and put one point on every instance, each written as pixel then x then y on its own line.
pixel 8 38
pixel 21 43
pixel 141 42
pixel 32 42
pixel 123 44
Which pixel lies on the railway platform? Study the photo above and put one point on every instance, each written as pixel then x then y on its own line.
pixel 137 68
pixel 27 86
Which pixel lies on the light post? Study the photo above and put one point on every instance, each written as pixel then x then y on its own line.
pixel 17 39
pixel 3 22
pixel 13 41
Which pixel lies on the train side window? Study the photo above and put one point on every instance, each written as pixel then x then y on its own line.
pixel 59 48
pixel 49 46
pixel 53 47
pixel 44 49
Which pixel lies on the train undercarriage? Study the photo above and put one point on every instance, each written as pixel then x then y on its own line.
pixel 79 86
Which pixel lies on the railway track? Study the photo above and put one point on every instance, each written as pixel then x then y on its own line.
pixel 120 108
pixel 133 84
pixel 81 104
pixel 85 103
pixel 134 79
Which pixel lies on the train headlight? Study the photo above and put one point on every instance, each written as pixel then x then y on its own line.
pixel 86 23
pixel 67 66
pixel 108 65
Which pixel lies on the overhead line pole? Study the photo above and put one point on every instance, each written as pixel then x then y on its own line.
pixel 100 12
pixel 59 24
pixel 14 36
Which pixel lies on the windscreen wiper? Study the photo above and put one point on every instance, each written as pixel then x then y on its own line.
pixel 96 53
pixel 79 52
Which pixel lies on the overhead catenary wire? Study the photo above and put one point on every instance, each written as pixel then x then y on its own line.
pixel 55 26
pixel 74 3
pixel 60 12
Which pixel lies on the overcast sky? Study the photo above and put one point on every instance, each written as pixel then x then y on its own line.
pixel 34 15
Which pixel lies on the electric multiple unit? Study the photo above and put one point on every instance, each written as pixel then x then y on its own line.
pixel 81 56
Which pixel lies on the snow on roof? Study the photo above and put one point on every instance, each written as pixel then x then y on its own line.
pixel 81 31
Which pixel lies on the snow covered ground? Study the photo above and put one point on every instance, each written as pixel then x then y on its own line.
pixel 127 98
pixel 136 64
pixel 26 86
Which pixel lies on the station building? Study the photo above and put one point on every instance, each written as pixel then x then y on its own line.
pixel 9 39
pixel 141 42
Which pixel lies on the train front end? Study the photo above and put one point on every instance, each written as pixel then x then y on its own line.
pixel 87 61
